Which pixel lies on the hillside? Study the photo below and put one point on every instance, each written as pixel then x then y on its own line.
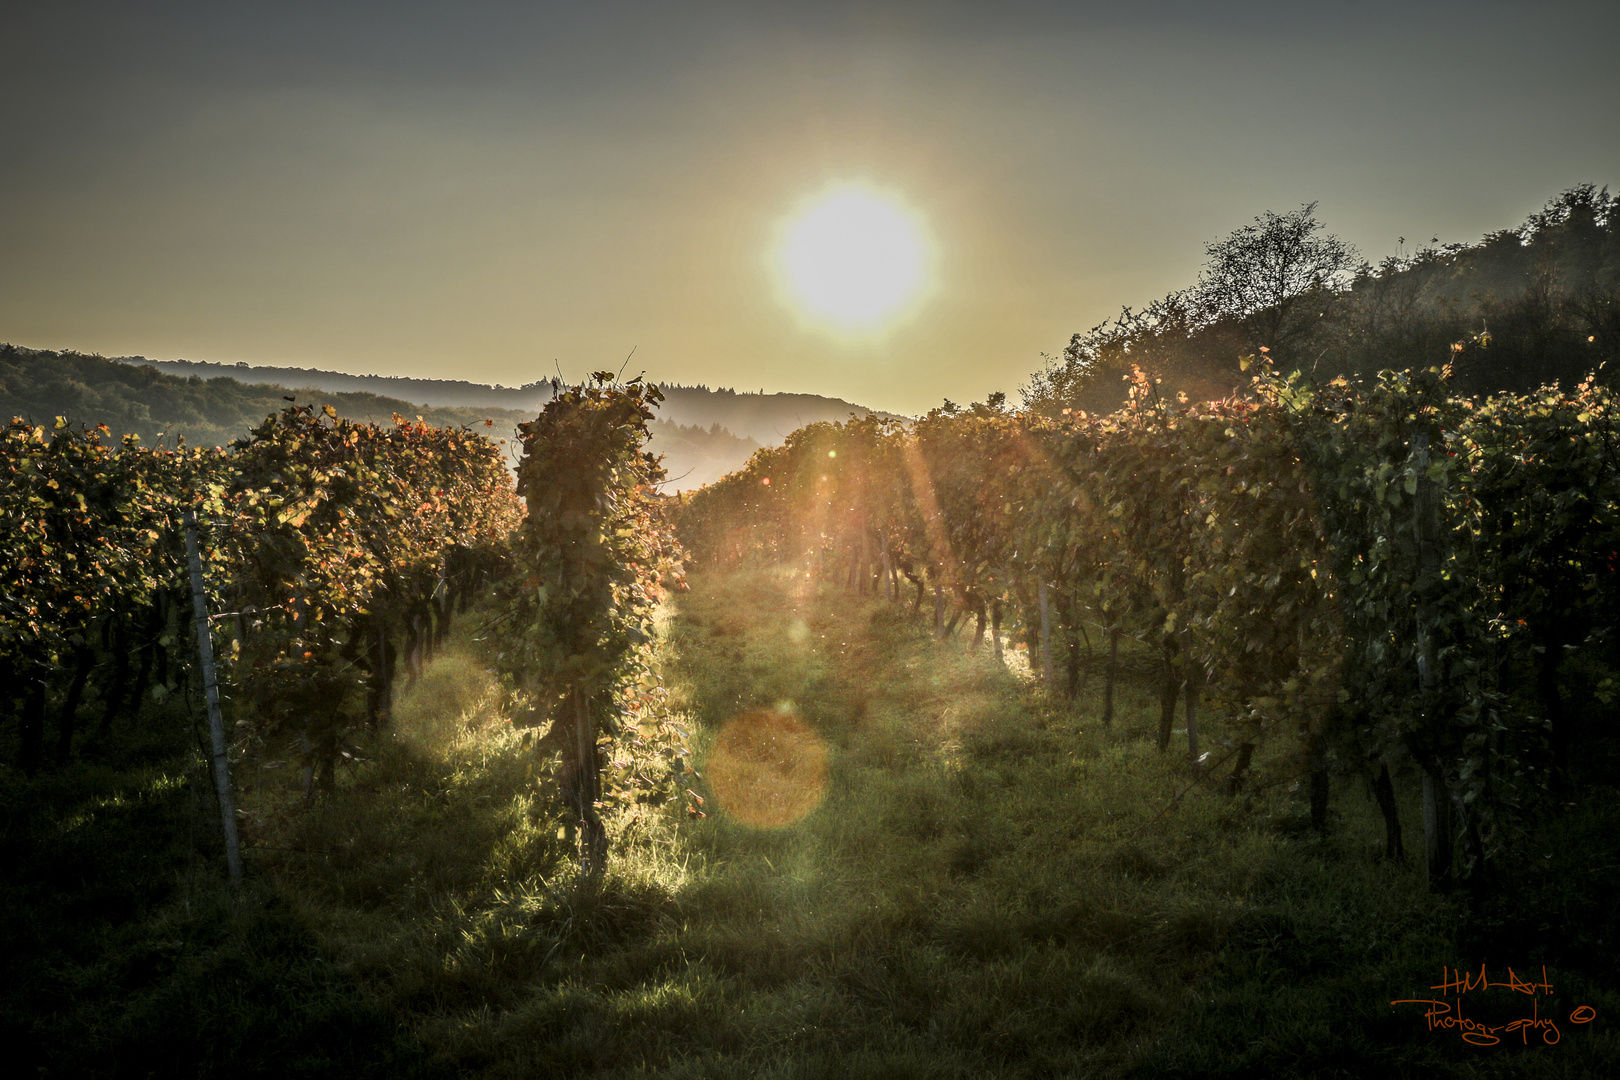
pixel 765 418
pixel 449 393
pixel 695 455
pixel 156 402
pixel 1543 298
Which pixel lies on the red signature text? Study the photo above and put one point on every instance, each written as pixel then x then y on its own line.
pixel 1445 1013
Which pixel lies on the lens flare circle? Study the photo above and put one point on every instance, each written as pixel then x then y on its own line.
pixel 768 768
pixel 853 258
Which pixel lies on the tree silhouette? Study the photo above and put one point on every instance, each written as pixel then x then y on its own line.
pixel 1275 279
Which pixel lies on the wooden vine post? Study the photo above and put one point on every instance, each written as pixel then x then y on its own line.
pixel 216 726
pixel 1046 636
pixel 1436 799
pixel 1113 674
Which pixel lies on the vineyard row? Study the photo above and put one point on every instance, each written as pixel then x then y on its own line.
pixel 1394 580
pixel 335 553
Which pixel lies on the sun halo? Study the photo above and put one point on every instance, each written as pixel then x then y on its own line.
pixel 853 259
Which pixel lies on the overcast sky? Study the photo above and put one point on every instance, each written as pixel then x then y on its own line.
pixel 484 191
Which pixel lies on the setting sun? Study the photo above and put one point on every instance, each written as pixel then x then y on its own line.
pixel 853 258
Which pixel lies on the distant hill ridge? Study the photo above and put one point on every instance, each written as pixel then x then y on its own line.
pixel 764 418
pixel 702 434
pixel 444 392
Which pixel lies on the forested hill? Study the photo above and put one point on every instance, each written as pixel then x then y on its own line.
pixel 142 399
pixel 764 418
pixel 449 393
pixel 767 418
pixel 1542 297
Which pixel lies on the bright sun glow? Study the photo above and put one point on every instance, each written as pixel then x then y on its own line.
pixel 853 258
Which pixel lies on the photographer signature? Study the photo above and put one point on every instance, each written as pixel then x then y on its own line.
pixel 1444 1013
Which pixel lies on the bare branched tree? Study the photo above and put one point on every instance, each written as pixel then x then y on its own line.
pixel 1275 278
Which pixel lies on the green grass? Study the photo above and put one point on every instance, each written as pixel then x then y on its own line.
pixel 124 954
pixel 989 884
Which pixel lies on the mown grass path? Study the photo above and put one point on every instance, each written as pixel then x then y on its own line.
pixel 997 886
pixel 960 880
pixel 989 887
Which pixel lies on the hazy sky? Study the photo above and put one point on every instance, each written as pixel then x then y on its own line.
pixel 477 190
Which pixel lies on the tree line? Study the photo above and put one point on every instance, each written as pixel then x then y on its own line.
pixel 1545 294
pixel 39 385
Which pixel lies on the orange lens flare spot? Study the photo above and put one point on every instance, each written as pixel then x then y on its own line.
pixel 768 769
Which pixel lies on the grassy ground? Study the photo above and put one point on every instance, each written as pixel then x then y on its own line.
pixel 909 867
pixel 123 954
